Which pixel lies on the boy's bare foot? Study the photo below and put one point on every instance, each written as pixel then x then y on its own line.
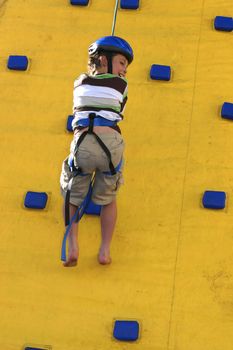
pixel 71 261
pixel 104 257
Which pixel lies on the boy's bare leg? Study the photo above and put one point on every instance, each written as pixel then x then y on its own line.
pixel 108 218
pixel 72 241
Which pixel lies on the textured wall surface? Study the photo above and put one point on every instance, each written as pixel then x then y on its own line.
pixel 172 264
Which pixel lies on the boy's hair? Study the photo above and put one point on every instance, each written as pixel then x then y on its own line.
pixel 94 61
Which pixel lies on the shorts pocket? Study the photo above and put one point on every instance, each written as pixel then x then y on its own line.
pixel 65 175
pixel 113 182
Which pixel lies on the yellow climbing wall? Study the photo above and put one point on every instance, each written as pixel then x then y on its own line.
pixel 172 260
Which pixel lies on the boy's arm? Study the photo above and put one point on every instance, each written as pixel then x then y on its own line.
pixel 77 83
pixel 125 98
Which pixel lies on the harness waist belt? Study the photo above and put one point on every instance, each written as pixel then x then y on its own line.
pixel 98 121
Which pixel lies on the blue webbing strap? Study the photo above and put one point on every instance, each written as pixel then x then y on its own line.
pixel 76 218
pixel 98 121
pixel 67 196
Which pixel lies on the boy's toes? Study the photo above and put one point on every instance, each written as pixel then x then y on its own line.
pixel 71 262
pixel 104 259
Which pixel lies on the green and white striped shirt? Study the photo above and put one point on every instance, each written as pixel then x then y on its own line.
pixel 103 94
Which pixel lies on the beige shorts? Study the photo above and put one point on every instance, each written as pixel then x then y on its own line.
pixel 91 158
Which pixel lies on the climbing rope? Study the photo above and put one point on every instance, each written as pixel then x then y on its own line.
pixel 114 17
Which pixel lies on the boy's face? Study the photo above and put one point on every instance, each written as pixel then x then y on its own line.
pixel 119 65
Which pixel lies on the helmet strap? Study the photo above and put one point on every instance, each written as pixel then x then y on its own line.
pixel 109 56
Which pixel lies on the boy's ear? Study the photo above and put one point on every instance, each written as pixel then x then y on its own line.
pixel 103 61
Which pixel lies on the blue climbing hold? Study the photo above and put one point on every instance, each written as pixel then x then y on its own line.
pixel 223 23
pixel 35 200
pixel 129 4
pixel 79 2
pixel 17 62
pixel 214 199
pixel 126 330
pixel 69 123
pixel 159 72
pixel 93 209
pixel 227 110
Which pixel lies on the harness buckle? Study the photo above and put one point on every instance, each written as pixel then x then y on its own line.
pixel 91 124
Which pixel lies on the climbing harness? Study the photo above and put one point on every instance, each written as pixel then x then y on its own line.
pixel 93 120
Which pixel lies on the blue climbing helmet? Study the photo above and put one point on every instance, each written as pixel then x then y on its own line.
pixel 111 45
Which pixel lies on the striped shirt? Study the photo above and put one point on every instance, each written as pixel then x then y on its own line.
pixel 103 94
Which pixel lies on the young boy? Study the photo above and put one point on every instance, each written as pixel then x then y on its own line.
pixel 99 98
